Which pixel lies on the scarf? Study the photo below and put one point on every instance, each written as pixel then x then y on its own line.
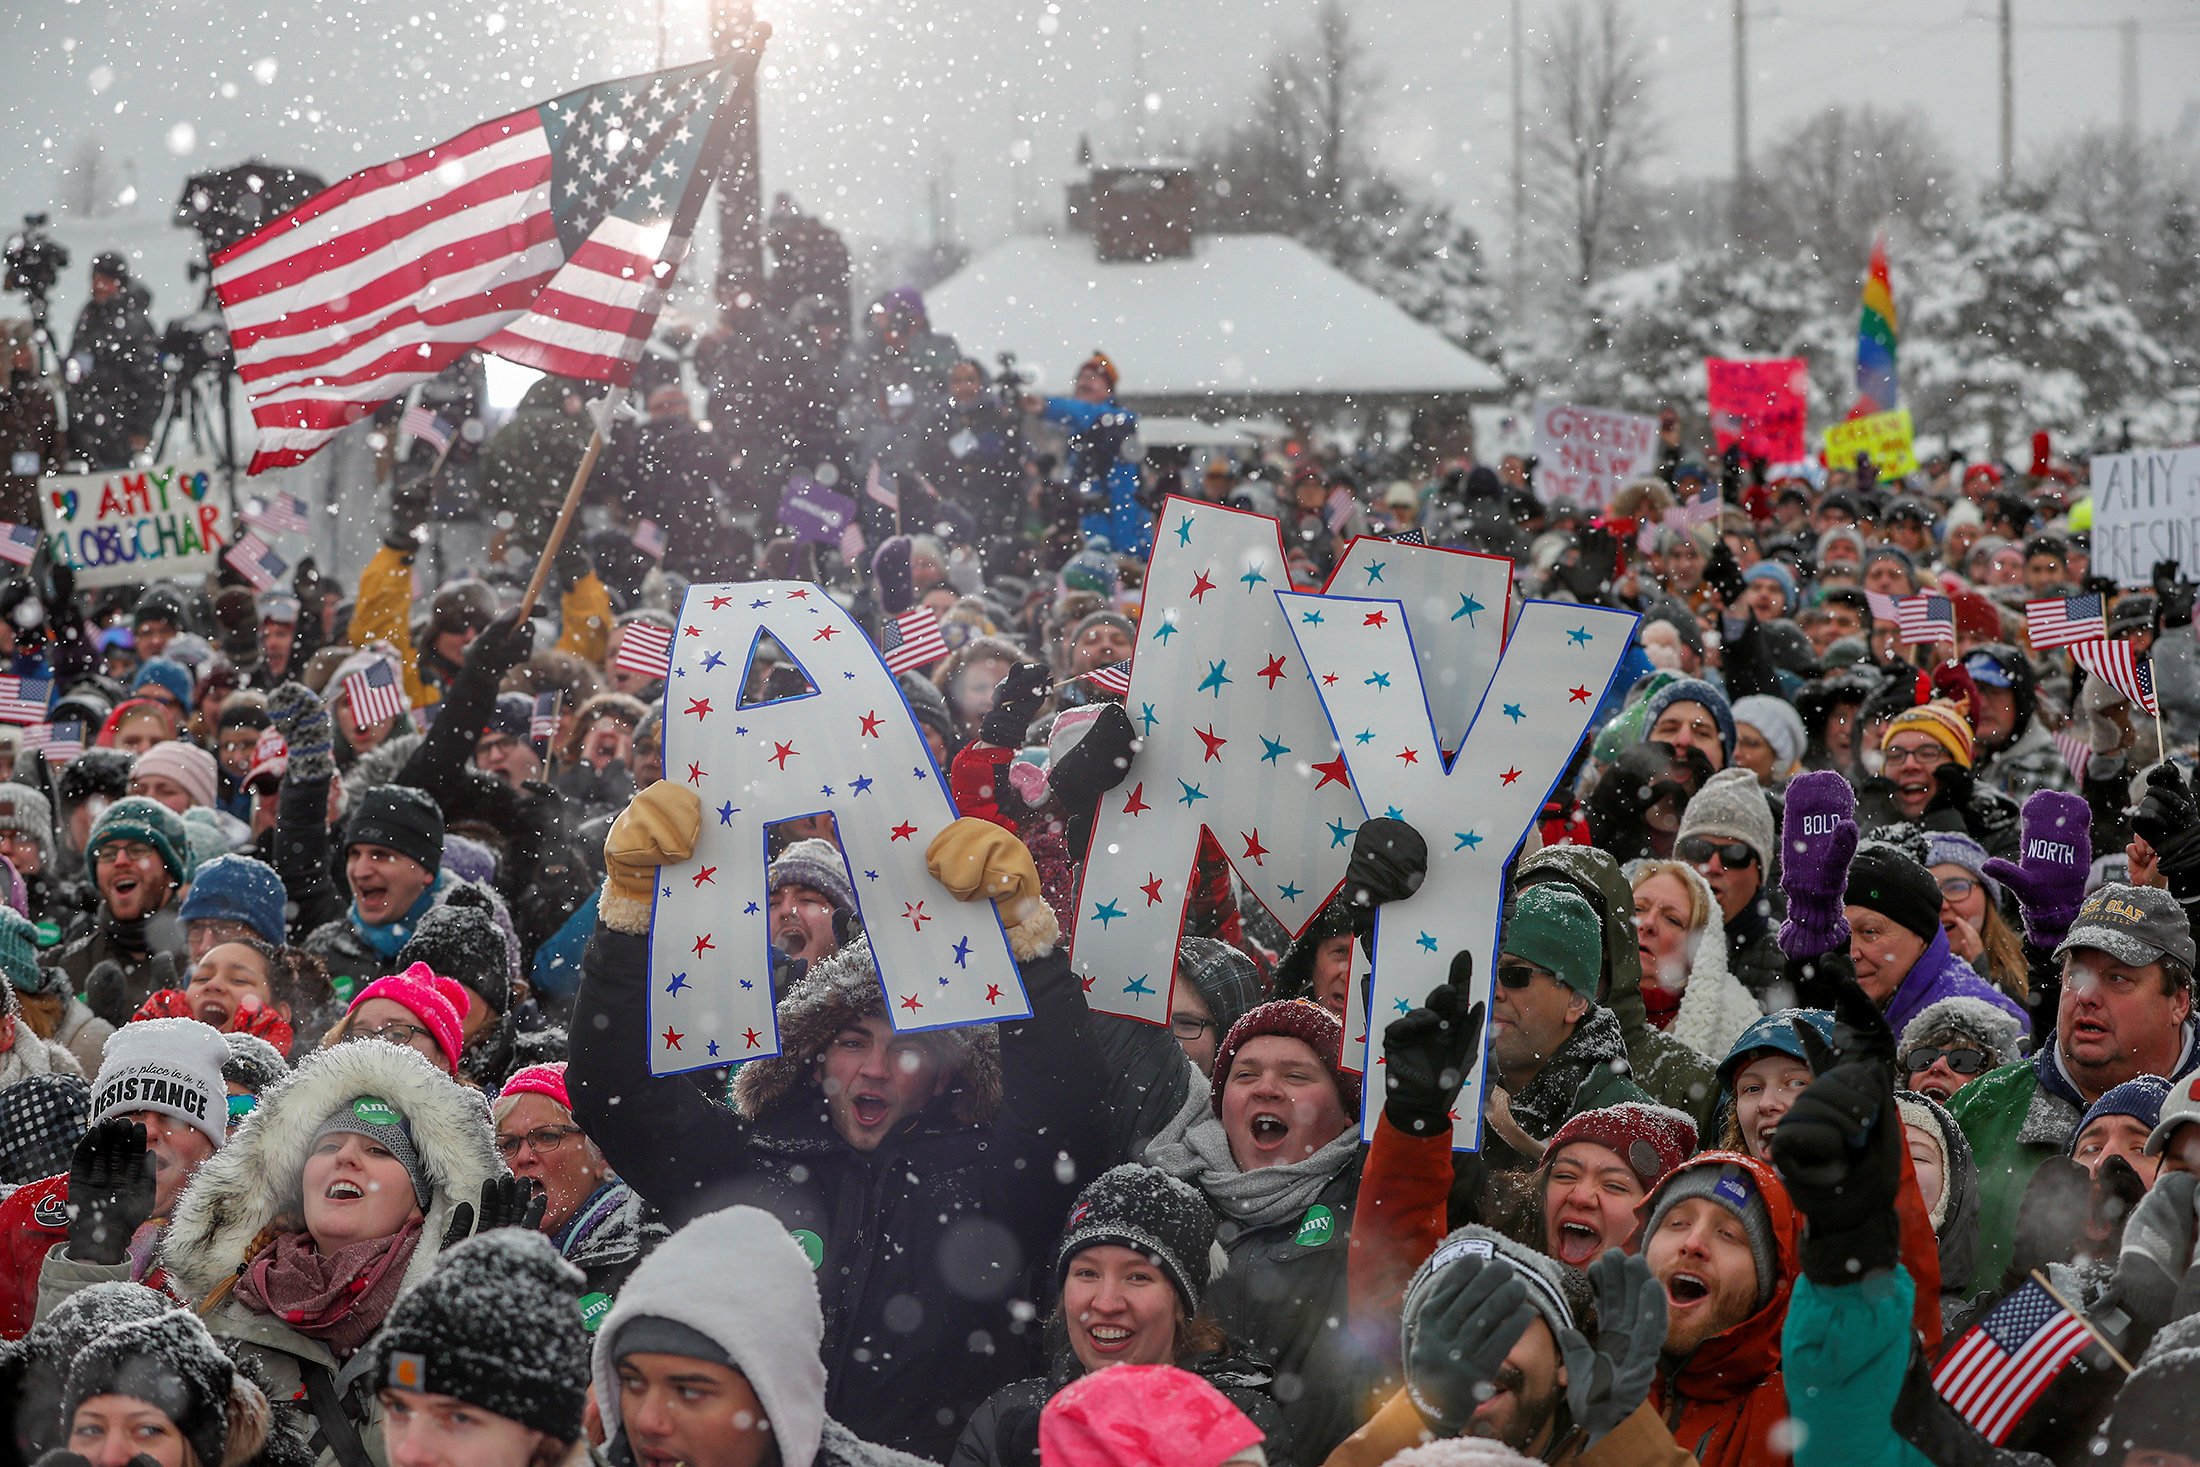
pixel 1194 1148
pixel 337 1298
pixel 388 937
pixel 1660 1004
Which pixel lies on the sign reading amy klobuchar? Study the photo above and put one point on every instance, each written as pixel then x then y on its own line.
pixel 132 525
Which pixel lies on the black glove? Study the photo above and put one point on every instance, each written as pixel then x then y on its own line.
pixel 408 512
pixel 2172 595
pixel 506 1202
pixel 1476 1311
pixel 110 1190
pixel 63 1457
pixel 308 584
pixel 2051 1218
pixel 506 642
pixel 1099 761
pixel 572 564
pixel 1428 1052
pixel 1840 1148
pixel 1016 700
pixel 2168 820
pixel 1607 1381
pixel 239 617
pixel 1389 861
pixel 160 972
pixel 1723 574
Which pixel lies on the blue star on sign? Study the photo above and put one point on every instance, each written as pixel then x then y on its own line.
pixel 1513 712
pixel 1394 813
pixel 1364 736
pixel 1468 840
pixel 1468 606
pixel 826 790
pixel 711 1049
pixel 1138 984
pixel 1191 792
pixel 1310 619
pixel 713 660
pixel 1271 751
pixel 726 812
pixel 1425 942
pixel 1216 678
pixel 1184 530
pixel 754 605
pixel 1145 716
pixel 1375 570
pixel 749 910
pixel 1253 578
pixel 1289 891
pixel 1106 912
pixel 1401 1006
pixel 962 952
pixel 1378 681
pixel 746 983
pixel 943 980
pixel 679 981
pixel 870 876
pixel 1580 636
pixel 1339 833
pixel 1163 632
pixel 863 782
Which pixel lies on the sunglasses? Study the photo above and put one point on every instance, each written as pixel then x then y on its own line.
pixel 1516 976
pixel 1732 854
pixel 1962 1061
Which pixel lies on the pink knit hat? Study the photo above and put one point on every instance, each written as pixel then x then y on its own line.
pixel 187 765
pixel 439 1003
pixel 543 1080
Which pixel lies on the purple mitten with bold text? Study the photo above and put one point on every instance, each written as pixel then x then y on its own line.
pixel 2054 853
pixel 1817 840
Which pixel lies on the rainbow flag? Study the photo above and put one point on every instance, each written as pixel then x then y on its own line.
pixel 1876 333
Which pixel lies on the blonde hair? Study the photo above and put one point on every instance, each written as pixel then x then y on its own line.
pixel 1699 894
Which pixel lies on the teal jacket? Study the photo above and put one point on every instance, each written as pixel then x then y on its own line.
pixel 1844 1352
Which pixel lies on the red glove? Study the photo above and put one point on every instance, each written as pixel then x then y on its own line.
pixel 972 778
pixel 265 1024
pixel 169 1003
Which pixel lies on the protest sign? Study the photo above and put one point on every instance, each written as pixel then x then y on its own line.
pixel 133 525
pixel 815 514
pixel 1759 403
pixel 847 745
pixel 1588 454
pixel 1887 437
pixel 2146 507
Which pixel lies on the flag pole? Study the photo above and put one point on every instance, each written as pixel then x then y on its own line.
pixel 2039 1276
pixel 556 542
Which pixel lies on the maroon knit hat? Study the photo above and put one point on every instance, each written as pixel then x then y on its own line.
pixel 1651 1139
pixel 1295 1018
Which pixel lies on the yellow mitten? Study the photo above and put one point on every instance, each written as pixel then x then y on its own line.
pixel 659 827
pixel 975 858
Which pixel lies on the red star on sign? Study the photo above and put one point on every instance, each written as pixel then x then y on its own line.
pixel 689 632
pixel 1509 775
pixel 1201 587
pixel 1152 888
pixel 1376 619
pixel 673 1037
pixel 781 753
pixel 1329 679
pixel 1086 983
pixel 870 724
pixel 720 603
pixel 1254 850
pixel 993 993
pixel 910 1001
pixel 903 831
pixel 801 595
pixel 1273 671
pixel 703 944
pixel 825 634
pixel 695 774
pixel 753 1039
pixel 1410 756
pixel 700 707
pixel 1136 804
pixel 709 874
pixel 1213 741
pixel 1334 772
pixel 1578 695
pixel 916 914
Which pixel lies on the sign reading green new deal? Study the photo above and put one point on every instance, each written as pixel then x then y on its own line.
pixel 132 525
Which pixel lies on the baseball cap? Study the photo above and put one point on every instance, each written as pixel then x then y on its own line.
pixel 1987 671
pixel 2133 924
pixel 2180 1109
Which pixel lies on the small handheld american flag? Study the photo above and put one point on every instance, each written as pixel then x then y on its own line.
pixel 2115 663
pixel 2059 621
pixel 58 742
pixel 279 512
pixel 1700 508
pixel 1338 508
pixel 2076 752
pixel 875 485
pixel 1409 537
pixel 25 699
pixel 542 723
pixel 427 427
pixel 255 560
pixel 1882 606
pixel 649 538
pixel 912 640
pixel 1114 678
pixel 645 650
pixel 376 693
pixel 851 542
pixel 1994 1373
pixel 1925 619
pixel 18 543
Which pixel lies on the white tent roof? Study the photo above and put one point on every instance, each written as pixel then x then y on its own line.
pixel 1245 315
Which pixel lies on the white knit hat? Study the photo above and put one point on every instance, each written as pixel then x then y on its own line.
pixel 172 1066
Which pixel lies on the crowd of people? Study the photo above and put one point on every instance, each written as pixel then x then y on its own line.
pixel 1840 1032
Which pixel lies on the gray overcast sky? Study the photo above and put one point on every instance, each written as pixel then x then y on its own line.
pixel 867 99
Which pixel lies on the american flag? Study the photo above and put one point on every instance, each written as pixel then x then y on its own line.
pixel 1700 508
pixel 851 541
pixel 279 512
pixel 875 485
pixel 542 724
pixel 1340 505
pixel 25 699
pixel 423 424
pixel 18 543
pixel 1114 678
pixel 650 539
pixel 2114 662
pixel 1410 537
pixel 376 692
pixel 548 236
pixel 1882 607
pixel 2003 1364
pixel 1925 619
pixel 2076 752
pixel 2059 621
pixel 645 650
pixel 913 640
pixel 255 560
pixel 59 742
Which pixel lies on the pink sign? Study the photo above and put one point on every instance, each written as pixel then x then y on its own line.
pixel 1760 404
pixel 1587 454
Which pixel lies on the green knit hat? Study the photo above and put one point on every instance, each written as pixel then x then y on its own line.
pixel 19 951
pixel 1554 927
pixel 138 818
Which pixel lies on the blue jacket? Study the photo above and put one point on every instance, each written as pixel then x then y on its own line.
pixel 1094 430
pixel 1844 1352
pixel 1938 974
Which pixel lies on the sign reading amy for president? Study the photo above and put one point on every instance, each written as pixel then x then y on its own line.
pixel 128 526
pixel 2146 507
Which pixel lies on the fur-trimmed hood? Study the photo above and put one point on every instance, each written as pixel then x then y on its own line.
pixel 255 1178
pixel 840 990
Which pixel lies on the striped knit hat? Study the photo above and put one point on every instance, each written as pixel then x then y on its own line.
pixel 1940 720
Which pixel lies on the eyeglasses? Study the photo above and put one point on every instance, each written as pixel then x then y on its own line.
pixel 408 1035
pixel 1517 976
pixel 123 850
pixel 1956 888
pixel 543 1140
pixel 1189 1026
pixel 1962 1061
pixel 1931 755
pixel 1697 850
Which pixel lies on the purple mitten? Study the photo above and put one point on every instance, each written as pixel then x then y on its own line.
pixel 2055 851
pixel 1816 842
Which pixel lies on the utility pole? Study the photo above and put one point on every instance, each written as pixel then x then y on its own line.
pixel 2008 94
pixel 1519 179
pixel 1741 116
pixel 733 27
pixel 2130 36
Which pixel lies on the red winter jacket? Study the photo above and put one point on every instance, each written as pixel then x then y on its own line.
pixel 32 1220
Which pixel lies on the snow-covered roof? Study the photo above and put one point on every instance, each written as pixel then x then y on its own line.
pixel 1245 315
